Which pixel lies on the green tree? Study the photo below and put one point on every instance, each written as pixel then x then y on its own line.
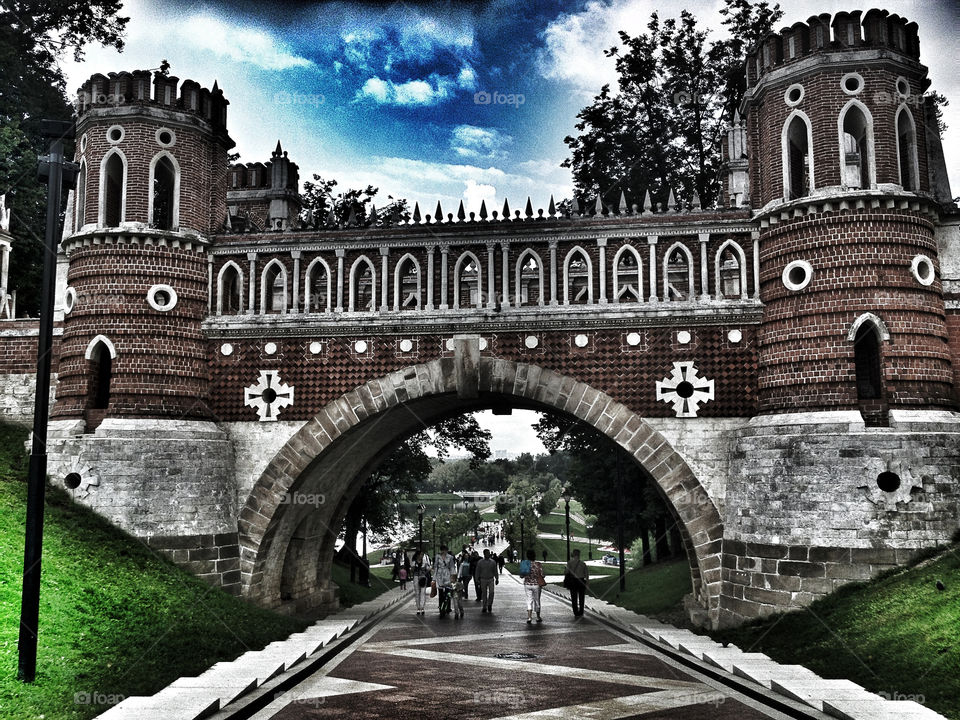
pixel 34 36
pixel 395 480
pixel 661 131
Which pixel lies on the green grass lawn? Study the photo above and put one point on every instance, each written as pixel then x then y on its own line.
pixel 115 619
pixel 353 594
pixel 896 635
pixel 557 549
pixel 558 524
pixel 652 590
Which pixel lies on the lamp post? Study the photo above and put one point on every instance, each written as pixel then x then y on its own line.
pixel 566 503
pixel 623 576
pixel 589 546
pixel 420 509
pixel 522 553
pixel 434 534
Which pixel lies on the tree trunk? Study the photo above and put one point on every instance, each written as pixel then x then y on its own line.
pixel 676 541
pixel 645 544
pixel 660 530
pixel 348 553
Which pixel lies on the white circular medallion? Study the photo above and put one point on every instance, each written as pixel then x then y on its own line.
pixel 226 349
pixel 162 298
pixel 922 269
pixel 115 134
pixel 684 337
pixel 852 83
pixel 735 336
pixel 315 347
pixel 633 338
pixel 797 275
pixel 483 343
pixel 793 95
pixel 166 137
pixel 360 346
pixel 406 345
pixel 581 340
pixel 531 341
pixel 449 345
pixel 270 348
pixel 69 300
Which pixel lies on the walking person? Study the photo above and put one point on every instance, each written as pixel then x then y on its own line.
pixel 474 559
pixel 486 573
pixel 456 596
pixel 421 580
pixel 575 580
pixel 444 571
pixel 465 574
pixel 532 573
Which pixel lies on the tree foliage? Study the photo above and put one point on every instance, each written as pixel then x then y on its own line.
pixel 33 37
pixel 662 128
pixel 320 206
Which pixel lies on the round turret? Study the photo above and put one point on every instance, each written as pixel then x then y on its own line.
pixel 841 138
pixel 150 193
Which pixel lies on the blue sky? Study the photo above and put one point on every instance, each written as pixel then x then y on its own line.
pixel 387 93
pixel 431 101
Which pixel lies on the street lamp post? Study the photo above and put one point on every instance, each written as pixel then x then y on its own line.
pixel 420 509
pixel 522 553
pixel 434 534
pixel 566 502
pixel 623 575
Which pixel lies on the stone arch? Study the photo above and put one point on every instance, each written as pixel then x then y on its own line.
pixel 112 203
pixel 617 291
pixel 398 299
pixel 519 300
pixel 318 264
pixel 171 219
pixel 466 257
pixel 272 273
pixel 332 453
pixel 574 253
pixel 855 127
pixel 878 325
pixel 741 258
pixel 688 260
pixel 908 172
pixel 797 144
pixel 229 269
pixel 355 271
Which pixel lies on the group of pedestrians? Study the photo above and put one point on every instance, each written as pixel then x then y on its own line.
pixel 449 577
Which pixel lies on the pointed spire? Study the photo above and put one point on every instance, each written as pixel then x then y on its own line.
pixel 215 86
pixel 352 219
pixel 372 215
pixel 575 207
pixel 460 213
pixel 598 207
pixel 671 202
pixel 736 117
pixel 483 209
pixel 279 151
pixel 623 204
pixel 416 213
pixel 330 220
pixel 552 209
pixel 506 209
pixel 696 201
pixel 438 214
pixel 529 209
pixel 647 203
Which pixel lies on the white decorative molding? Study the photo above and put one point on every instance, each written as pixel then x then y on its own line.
pixel 268 396
pixel 170 303
pixel 684 389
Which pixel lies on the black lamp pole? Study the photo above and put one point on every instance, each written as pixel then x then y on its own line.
pixel 522 553
pixel 420 509
pixel 566 501
pixel 434 536
pixel 623 575
pixel 58 175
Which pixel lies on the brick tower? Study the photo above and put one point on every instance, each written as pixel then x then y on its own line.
pixel 841 174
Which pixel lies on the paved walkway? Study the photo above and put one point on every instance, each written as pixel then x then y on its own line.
pixel 498 666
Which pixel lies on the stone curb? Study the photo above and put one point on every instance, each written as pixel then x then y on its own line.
pixel 193 698
pixel 836 698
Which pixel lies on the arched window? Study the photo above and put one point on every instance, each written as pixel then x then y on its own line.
pixel 856 146
pixel 627 275
pixel 406 284
pixel 577 278
pixel 80 198
pixel 230 290
pixel 467 281
pixel 273 289
pixel 164 199
pixel 528 285
pixel 797 158
pixel 907 150
pixel 113 182
pixel 317 287
pixel 363 278
pixel 678 274
pixel 100 354
pixel 730 271
pixel 866 358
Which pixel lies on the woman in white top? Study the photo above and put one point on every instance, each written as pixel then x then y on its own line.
pixel 532 586
pixel 421 579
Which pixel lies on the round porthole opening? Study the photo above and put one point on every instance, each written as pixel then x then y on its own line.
pixel 797 275
pixel 166 137
pixel 793 95
pixel 888 481
pixel 162 298
pixel 72 481
pixel 922 269
pixel 685 389
pixel 852 83
pixel 903 87
pixel 269 395
pixel 69 300
pixel 115 134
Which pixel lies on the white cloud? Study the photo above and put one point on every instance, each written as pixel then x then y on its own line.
pixel 475 193
pixel 467 79
pixel 240 43
pixel 470 141
pixel 432 91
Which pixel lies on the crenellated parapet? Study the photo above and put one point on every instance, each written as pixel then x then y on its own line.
pixel 844 31
pixel 155 88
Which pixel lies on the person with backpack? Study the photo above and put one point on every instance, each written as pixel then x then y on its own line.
pixel 474 559
pixel 575 579
pixel 421 580
pixel 532 573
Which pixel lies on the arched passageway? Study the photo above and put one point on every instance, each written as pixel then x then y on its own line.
pixel 300 499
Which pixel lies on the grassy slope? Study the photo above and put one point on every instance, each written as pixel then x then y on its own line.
pixel 651 590
pixel 896 635
pixel 115 619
